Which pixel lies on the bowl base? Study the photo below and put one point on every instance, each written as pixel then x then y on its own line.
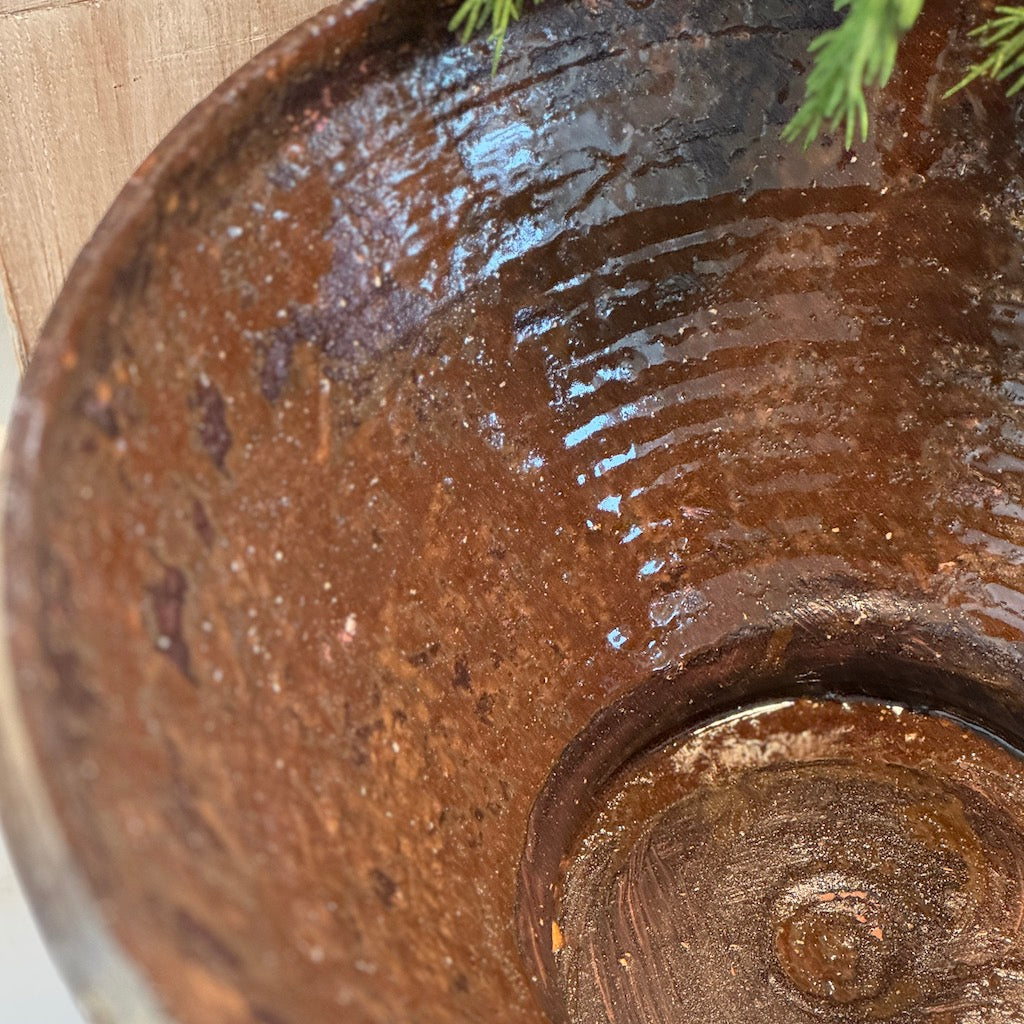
pixel 804 860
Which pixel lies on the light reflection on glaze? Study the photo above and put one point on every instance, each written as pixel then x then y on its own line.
pixel 795 373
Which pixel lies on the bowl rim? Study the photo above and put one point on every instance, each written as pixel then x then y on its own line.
pixel 105 981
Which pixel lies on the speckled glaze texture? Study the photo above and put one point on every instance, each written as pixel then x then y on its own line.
pixel 803 861
pixel 412 446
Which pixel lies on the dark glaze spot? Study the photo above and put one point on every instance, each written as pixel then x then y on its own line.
pixel 202 524
pixel 214 435
pixel 167 600
pixel 75 695
pixel 368 324
pixel 360 741
pixel 100 413
pixel 484 707
pixel 277 362
pixel 421 659
pixel 461 678
pixel 383 886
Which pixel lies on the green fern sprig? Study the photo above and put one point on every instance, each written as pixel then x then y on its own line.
pixel 477 14
pixel 858 54
pixel 1004 36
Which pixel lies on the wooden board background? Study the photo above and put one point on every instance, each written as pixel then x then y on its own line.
pixel 87 88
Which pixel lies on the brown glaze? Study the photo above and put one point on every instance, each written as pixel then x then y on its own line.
pixel 411 448
pixel 802 861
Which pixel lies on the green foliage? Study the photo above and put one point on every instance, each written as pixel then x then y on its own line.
pixel 857 55
pixel 476 14
pixel 1003 35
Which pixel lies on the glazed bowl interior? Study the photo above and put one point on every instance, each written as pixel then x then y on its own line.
pixel 403 426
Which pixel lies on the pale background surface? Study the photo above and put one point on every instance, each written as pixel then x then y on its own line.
pixel 31 991
pixel 87 88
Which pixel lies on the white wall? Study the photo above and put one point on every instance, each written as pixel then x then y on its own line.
pixel 31 991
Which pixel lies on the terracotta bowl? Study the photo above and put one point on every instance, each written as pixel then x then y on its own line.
pixel 411 449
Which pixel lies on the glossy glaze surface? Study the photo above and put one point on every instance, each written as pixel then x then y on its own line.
pixel 802 861
pixel 402 422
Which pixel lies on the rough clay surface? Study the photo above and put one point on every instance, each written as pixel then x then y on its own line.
pixel 402 419
pixel 806 861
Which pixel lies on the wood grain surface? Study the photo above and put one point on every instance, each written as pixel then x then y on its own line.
pixel 87 88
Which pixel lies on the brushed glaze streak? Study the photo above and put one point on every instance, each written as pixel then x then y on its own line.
pixel 806 861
